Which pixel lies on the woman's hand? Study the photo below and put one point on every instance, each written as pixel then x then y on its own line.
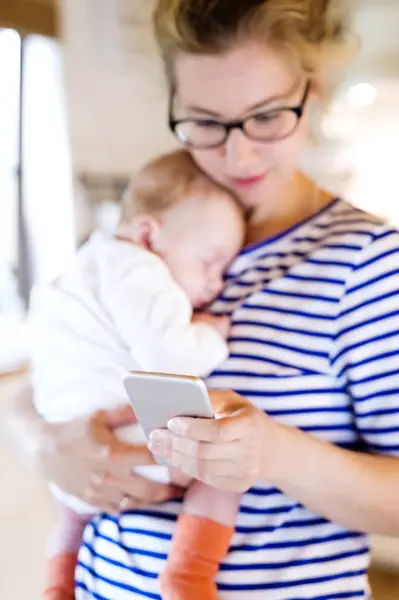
pixel 243 445
pixel 228 452
pixel 84 458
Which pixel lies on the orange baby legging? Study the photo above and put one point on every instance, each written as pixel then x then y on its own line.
pixel 60 577
pixel 198 547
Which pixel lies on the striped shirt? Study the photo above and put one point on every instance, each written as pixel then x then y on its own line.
pixel 315 344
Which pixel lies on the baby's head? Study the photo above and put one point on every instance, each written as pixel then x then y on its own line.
pixel 195 226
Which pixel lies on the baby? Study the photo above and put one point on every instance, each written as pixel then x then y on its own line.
pixel 127 303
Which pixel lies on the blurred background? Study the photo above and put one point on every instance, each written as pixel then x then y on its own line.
pixel 82 105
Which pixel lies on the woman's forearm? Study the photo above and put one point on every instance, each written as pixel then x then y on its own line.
pixel 358 491
pixel 24 428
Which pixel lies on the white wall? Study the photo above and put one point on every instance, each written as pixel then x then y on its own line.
pixel 369 148
pixel 117 107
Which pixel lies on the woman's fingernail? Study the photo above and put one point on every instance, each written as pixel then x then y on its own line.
pixel 158 437
pixel 154 447
pixel 176 425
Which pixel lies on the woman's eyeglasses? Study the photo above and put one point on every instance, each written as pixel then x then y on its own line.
pixel 266 126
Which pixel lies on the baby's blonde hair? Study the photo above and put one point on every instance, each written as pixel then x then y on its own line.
pixel 315 33
pixel 163 183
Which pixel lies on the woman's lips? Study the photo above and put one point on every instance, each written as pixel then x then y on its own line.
pixel 248 181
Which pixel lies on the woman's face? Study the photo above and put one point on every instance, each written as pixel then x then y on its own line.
pixel 245 81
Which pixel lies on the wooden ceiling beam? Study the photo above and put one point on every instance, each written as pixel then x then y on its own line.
pixel 29 16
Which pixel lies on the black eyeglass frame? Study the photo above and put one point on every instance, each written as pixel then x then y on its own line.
pixel 230 125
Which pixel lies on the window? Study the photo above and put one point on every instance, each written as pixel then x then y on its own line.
pixel 37 230
pixel 10 57
pixel 46 160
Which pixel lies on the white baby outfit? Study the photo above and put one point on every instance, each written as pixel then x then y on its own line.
pixel 117 309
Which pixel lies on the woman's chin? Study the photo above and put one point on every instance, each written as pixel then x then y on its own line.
pixel 260 195
pixel 253 199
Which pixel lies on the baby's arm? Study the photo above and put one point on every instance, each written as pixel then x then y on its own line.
pixel 220 323
pixel 154 318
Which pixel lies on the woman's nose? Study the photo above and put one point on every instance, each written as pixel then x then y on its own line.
pixel 240 153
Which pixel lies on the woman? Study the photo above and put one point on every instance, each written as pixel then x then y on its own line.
pixel 311 433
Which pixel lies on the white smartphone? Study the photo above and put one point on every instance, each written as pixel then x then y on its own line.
pixel 156 398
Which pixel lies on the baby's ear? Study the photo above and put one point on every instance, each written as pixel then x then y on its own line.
pixel 149 228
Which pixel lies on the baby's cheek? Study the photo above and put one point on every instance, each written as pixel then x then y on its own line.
pixel 195 282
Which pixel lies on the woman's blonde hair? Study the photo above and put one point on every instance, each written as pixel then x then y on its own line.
pixel 312 32
pixel 163 183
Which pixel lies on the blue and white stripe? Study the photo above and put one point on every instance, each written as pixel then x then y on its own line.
pixel 314 343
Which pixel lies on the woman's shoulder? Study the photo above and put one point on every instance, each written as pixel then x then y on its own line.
pixel 368 232
pixel 373 269
pixel 343 212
